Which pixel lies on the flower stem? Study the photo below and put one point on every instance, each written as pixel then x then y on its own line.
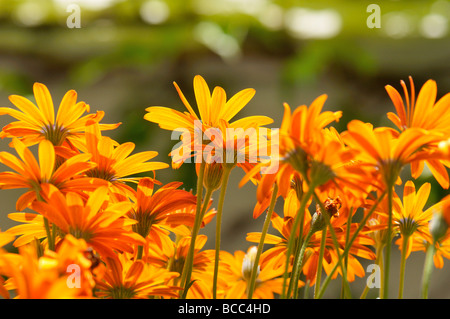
pixel 402 267
pixel 223 190
pixel 390 193
pixel 50 241
pixel 298 266
pixel 298 217
pixel 252 283
pixel 320 262
pixel 428 268
pixel 187 269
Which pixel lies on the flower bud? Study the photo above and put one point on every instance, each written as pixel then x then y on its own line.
pixel 213 176
pixel 331 209
pixel 248 263
pixel 438 226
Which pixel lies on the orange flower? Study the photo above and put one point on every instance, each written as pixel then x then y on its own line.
pixel 383 151
pixel 30 174
pixel 214 110
pixel 427 114
pixel 237 270
pixel 309 149
pixel 173 256
pixel 153 208
pixel 125 278
pixel 114 163
pixel 38 123
pixel 51 276
pixel 103 225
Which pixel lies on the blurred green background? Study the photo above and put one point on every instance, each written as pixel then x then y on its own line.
pixel 125 55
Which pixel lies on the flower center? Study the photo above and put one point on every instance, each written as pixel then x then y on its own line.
pixel 55 134
pixel 122 292
pixel 408 225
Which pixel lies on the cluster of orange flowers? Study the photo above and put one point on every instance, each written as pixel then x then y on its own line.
pixel 90 226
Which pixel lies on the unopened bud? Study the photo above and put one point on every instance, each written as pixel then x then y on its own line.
pixel 248 263
pixel 213 176
pixel 331 209
pixel 438 226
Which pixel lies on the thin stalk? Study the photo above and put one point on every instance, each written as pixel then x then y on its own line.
pixel 320 264
pixel 402 267
pixel 390 193
pixel 50 241
pixel 298 266
pixel 347 237
pixel 349 244
pixel 428 268
pixel 252 284
pixel 298 217
pixel 223 190
pixel 187 269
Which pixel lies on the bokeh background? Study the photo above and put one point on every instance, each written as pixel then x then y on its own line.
pixel 125 55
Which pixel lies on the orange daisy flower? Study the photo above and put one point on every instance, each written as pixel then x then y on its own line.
pixel 50 276
pixel 386 152
pixel 173 256
pixel 427 114
pixel 214 109
pixel 309 149
pixel 237 270
pixel 153 208
pixel 114 163
pixel 31 174
pixel 38 123
pixel 125 278
pixel 103 225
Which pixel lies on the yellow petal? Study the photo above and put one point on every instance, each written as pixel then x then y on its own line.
pixel 46 159
pixel 32 113
pixel 236 103
pixel 44 102
pixel 203 98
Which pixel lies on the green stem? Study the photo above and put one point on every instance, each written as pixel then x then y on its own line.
pixel 252 284
pixel 187 269
pixel 223 190
pixel 349 244
pixel 298 217
pixel 319 266
pixel 402 267
pixel 298 266
pixel 51 243
pixel 428 268
pixel 347 237
pixel 390 193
